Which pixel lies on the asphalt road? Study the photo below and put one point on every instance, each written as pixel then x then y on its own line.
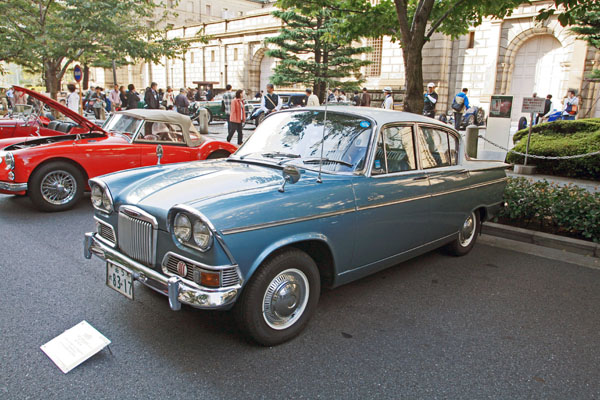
pixel 493 324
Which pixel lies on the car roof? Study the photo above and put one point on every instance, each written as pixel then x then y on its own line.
pixel 379 115
pixel 159 115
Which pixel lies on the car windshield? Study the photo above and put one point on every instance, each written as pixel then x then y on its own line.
pixel 297 138
pixel 122 123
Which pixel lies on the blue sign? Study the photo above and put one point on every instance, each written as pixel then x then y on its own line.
pixel 77 73
pixel 365 124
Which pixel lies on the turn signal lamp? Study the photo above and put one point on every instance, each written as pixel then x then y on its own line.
pixel 210 279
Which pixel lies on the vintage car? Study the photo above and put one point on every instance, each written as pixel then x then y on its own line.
pixel 298 207
pixel 214 108
pixel 53 170
pixel 26 120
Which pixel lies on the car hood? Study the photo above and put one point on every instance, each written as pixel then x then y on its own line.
pixel 20 143
pixel 63 109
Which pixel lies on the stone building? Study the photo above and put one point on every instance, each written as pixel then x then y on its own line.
pixel 514 56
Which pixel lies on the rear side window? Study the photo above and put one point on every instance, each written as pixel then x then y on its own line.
pixel 437 148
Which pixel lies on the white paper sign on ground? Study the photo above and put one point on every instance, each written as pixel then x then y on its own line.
pixel 74 346
pixel 533 105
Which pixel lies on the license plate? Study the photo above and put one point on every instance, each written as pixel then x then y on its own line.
pixel 119 279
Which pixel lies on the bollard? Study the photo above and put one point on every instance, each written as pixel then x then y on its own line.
pixel 203 121
pixel 472 137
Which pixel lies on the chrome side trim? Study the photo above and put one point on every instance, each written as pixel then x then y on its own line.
pixel 475 186
pixel 391 203
pixel 284 222
pixel 13 187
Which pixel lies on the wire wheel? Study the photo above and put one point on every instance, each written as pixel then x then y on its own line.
pixel 285 299
pixel 58 187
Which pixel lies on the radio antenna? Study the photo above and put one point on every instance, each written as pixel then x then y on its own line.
pixel 319 180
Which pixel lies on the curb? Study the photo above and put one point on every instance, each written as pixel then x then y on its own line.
pixel 570 245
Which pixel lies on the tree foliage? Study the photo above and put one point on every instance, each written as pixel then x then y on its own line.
pixel 49 35
pixel 587 27
pixel 313 49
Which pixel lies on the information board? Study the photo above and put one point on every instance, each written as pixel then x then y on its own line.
pixel 501 106
pixel 533 105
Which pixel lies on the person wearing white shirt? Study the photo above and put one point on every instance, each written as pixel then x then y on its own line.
pixel 388 103
pixel 270 102
pixel 72 98
pixel 312 100
pixel 570 106
pixel 115 98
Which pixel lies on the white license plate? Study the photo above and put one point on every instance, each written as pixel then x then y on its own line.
pixel 119 279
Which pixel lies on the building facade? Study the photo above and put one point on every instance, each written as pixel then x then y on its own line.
pixel 515 56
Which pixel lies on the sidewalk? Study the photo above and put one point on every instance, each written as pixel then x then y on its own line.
pixel 590 186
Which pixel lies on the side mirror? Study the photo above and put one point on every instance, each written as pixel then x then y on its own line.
pixel 159 153
pixel 291 175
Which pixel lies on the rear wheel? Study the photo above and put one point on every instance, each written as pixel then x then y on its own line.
pixel 467 235
pixel 56 186
pixel 277 303
pixel 471 120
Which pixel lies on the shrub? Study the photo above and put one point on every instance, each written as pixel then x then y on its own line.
pixel 562 138
pixel 563 209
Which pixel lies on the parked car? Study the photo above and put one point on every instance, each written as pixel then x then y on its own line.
pixel 53 171
pixel 473 116
pixel 25 120
pixel 296 208
pixel 215 110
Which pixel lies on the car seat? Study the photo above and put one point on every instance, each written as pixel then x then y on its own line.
pixel 54 125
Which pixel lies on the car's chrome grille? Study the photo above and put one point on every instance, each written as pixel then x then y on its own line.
pixel 106 232
pixel 228 276
pixel 136 238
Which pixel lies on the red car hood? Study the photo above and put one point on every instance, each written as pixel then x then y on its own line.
pixel 59 107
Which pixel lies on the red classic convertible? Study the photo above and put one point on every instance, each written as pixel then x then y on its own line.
pixel 53 170
pixel 26 120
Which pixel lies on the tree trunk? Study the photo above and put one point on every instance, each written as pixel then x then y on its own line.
pixel 86 76
pixel 413 75
pixel 51 72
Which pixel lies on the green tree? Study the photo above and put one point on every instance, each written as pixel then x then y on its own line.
pixel 587 26
pixel 313 50
pixel 49 35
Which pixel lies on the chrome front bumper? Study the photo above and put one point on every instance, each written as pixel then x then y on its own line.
pixel 13 187
pixel 175 288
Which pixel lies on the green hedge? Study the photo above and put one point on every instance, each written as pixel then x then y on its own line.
pixel 560 209
pixel 562 138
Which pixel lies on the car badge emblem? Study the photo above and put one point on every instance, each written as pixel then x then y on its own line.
pixel 181 268
pixel 131 213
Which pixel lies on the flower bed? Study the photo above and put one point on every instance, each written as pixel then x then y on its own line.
pixel 565 210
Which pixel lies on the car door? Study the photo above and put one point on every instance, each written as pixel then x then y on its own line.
pixel 169 136
pixel 438 151
pixel 393 200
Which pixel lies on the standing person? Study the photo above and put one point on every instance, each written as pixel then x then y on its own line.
pixel 169 98
pixel 197 95
pixel 123 97
pixel 431 98
pixel 72 98
pixel 151 97
pixel 459 104
pixel 227 99
pixel 312 99
pixel 571 106
pixel 270 102
pixel 98 104
pixel 237 117
pixel 133 98
pixel 20 97
pixel 342 97
pixel 161 96
pixel 115 99
pixel 365 100
pixel 181 102
pixel 10 97
pixel 209 94
pixel 356 99
pixel 388 101
pixel 547 110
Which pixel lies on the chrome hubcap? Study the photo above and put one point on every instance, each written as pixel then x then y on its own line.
pixel 285 299
pixel 467 232
pixel 58 187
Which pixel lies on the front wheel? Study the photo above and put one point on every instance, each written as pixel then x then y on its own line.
pixel 467 235
pixel 280 298
pixel 56 186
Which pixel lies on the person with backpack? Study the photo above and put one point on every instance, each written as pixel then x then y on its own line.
pixel 571 106
pixel 459 105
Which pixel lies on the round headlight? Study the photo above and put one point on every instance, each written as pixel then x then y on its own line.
pixel 97 196
pixel 201 234
pixel 182 227
pixel 107 203
pixel 10 160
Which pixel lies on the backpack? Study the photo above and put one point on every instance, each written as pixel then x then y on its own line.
pixel 458 103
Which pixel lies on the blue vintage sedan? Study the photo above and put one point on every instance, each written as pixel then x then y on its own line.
pixel 313 199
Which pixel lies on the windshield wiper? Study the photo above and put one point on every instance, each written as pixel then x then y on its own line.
pixel 275 154
pixel 326 160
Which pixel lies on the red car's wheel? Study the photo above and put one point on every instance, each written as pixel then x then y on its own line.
pixel 56 186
